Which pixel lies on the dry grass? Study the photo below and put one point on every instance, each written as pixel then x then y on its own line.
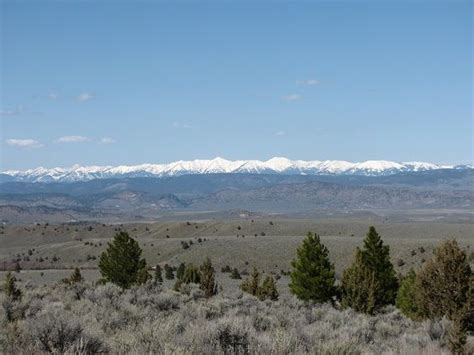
pixel 271 252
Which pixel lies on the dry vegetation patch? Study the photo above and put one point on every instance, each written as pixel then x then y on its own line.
pixel 150 318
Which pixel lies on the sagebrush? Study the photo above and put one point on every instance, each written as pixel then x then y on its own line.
pixel 82 318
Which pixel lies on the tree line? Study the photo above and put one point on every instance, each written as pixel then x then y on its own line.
pixel 443 287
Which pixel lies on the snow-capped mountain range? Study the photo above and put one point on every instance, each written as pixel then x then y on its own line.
pixel 275 165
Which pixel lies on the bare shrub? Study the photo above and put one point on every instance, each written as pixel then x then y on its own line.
pixel 231 336
pixel 53 331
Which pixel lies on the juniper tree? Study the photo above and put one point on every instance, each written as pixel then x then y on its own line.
pixel 121 262
pixel 180 271
pixel 468 309
pixel 313 277
pixel 158 274
pixel 143 276
pixel 251 284
pixel 268 290
pixel 235 274
pixel 208 283
pixel 10 288
pixel 226 269
pixel 359 286
pixel 371 273
pixel 444 281
pixel 75 277
pixel 191 274
pixel 457 335
pixel 169 273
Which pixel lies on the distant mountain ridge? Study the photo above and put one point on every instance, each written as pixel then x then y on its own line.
pixel 148 198
pixel 275 165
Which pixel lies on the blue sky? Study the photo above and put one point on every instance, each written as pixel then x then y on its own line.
pixel 138 81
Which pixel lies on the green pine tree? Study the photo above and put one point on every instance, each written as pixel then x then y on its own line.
pixel 121 262
pixel 374 270
pixel 208 283
pixel 376 256
pixel 407 296
pixel 313 277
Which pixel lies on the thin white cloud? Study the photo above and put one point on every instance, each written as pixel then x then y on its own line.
pixel 72 139
pixel 308 82
pixel 85 96
pixel 24 143
pixel 13 112
pixel 107 140
pixel 181 125
pixel 280 133
pixel 291 97
pixel 53 96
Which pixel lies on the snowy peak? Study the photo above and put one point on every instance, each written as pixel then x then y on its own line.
pixel 280 164
pixel 277 165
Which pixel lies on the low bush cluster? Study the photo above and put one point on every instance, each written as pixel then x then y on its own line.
pixel 265 290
